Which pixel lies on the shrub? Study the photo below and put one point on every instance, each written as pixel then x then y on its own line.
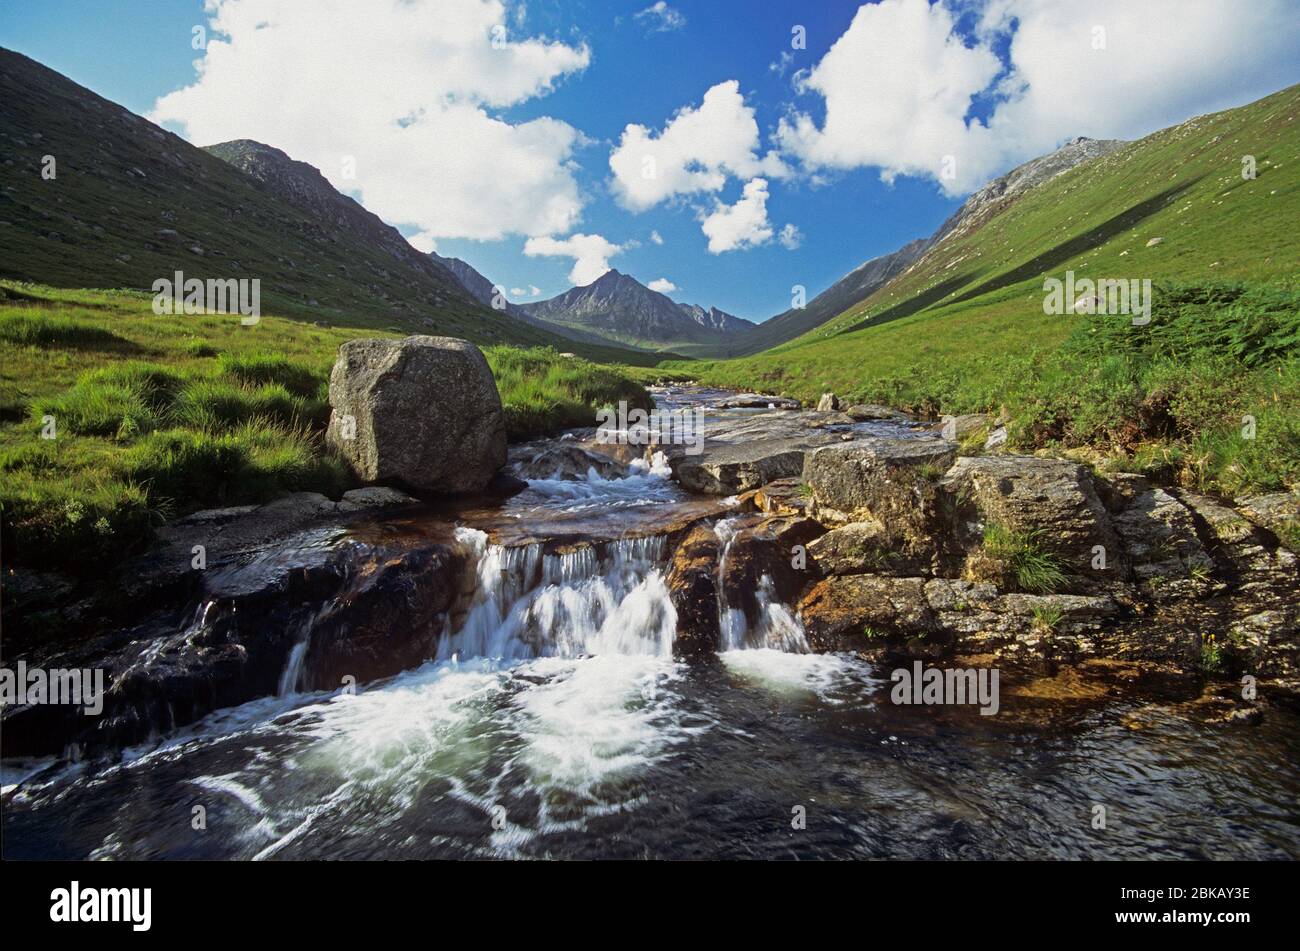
pixel 1031 567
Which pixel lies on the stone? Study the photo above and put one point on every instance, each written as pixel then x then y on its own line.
pixel 829 403
pixel 1161 545
pixel 423 413
pixel 892 482
pixel 861 611
pixel 692 588
pixel 759 401
pixel 1052 498
pixel 957 428
pixel 372 496
pixel 568 461
pixel 865 548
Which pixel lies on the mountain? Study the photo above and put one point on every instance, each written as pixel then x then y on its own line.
pixel 130 203
pixel 620 308
pixel 715 319
pixel 869 277
pixel 951 331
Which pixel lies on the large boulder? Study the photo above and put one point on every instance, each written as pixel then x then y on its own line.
pixel 1053 499
pixel 422 413
pixel 885 480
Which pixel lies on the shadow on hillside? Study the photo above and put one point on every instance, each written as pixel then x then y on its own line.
pixel 912 304
pixel 1092 238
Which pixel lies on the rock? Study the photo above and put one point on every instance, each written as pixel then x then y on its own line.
pixel 692 588
pixel 1279 512
pixel 866 548
pixel 862 611
pixel 892 482
pixel 1240 550
pixel 783 496
pixel 567 461
pixel 1161 545
pixel 759 401
pixel 1052 498
pixel 749 452
pixel 996 438
pixel 828 403
pixel 373 496
pixel 1154 241
pixel 957 428
pixel 359 607
pixel 426 412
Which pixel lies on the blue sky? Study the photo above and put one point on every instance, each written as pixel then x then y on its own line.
pixel 617 63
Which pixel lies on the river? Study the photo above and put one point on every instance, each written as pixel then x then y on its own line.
pixel 556 723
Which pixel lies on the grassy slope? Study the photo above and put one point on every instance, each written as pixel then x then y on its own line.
pixel 120 181
pixel 965 331
pixel 160 415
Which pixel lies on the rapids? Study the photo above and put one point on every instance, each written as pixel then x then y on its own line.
pixel 554 722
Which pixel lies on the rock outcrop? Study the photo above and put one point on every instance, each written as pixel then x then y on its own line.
pixel 422 413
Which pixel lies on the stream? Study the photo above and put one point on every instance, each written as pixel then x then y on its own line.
pixel 554 722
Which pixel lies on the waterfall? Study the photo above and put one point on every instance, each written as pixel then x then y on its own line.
pixel 592 600
pixel 775 625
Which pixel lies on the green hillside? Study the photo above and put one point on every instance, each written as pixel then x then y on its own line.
pixel 156 416
pixel 965 330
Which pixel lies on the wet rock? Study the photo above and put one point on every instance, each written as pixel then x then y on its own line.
pixel 373 496
pixel 357 609
pixel 743 454
pixel 761 554
pixel 782 497
pixel 863 611
pixel 568 461
pixel 692 588
pixel 422 413
pixel 1053 498
pixel 759 401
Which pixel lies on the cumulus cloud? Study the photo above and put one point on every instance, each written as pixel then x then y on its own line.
pixel 395 100
pixel 742 225
pixel 695 152
pixel 790 237
pixel 660 18
pixel 662 285
pixel 590 253
pixel 532 290
pixel 899 84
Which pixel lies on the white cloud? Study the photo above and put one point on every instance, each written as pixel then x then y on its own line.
pixel 742 225
pixel 656 238
pixel 404 89
pixel 423 242
pixel 532 290
pixel 590 253
pixel 662 285
pixel 790 237
pixel 695 152
pixel 898 85
pixel 660 18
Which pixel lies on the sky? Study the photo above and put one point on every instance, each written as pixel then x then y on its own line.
pixel 723 151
